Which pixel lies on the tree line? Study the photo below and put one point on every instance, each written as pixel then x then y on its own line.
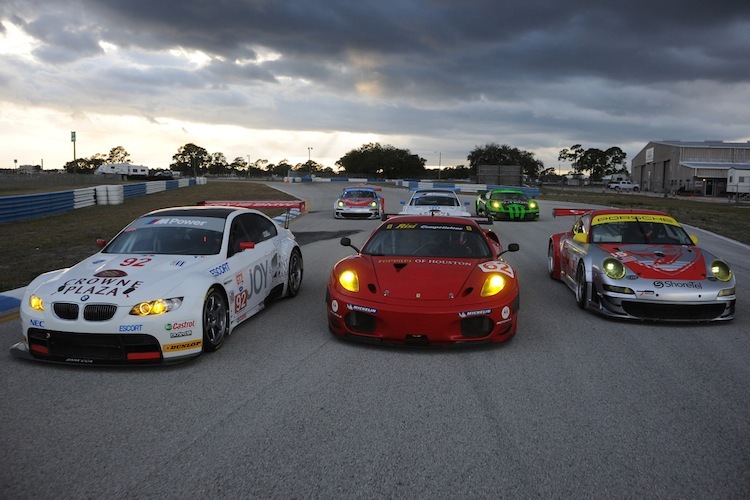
pixel 374 160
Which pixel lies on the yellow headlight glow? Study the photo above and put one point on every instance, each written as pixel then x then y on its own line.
pixel 349 281
pixel 613 268
pixel 721 270
pixel 532 204
pixel 36 303
pixel 493 285
pixel 495 204
pixel 158 306
pixel 340 203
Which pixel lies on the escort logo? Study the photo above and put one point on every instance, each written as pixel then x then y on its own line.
pixel 219 270
pixel 131 328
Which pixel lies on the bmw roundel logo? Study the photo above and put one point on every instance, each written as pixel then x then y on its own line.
pixel 85 298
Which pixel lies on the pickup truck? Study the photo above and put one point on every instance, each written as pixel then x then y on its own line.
pixel 623 186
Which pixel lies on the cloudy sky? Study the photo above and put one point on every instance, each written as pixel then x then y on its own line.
pixel 275 80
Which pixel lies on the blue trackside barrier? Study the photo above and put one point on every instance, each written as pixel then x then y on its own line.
pixel 28 206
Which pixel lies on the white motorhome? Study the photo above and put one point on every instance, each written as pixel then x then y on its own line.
pixel 124 169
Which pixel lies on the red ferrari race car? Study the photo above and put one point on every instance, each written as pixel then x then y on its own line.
pixel 640 264
pixel 426 281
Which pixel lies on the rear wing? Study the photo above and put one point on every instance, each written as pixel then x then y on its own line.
pixel 289 205
pixel 562 212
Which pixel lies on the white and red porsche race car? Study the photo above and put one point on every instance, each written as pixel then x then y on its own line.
pixel 170 285
pixel 642 265
pixel 359 202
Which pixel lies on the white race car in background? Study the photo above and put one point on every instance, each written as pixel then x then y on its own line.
pixel 435 201
pixel 172 284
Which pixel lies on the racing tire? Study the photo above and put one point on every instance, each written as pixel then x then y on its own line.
pixel 215 319
pixel 552 265
pixel 581 287
pixel 294 274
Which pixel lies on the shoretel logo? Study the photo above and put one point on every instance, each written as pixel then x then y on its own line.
pixel 179 326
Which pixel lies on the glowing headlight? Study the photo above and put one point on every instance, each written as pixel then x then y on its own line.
pixel 36 303
pixel 727 292
pixel 349 280
pixel 721 270
pixel 158 306
pixel 493 285
pixel 532 204
pixel 373 204
pixel 340 203
pixel 495 204
pixel 613 268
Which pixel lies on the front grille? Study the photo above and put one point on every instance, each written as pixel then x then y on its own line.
pixel 477 326
pixel 99 312
pixel 90 347
pixel 65 310
pixel 673 312
pixel 360 322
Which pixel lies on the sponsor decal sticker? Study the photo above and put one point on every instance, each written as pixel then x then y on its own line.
pixel 181 346
pixel 131 328
pixel 334 305
pixel 469 314
pixel 186 333
pixel 497 267
pixel 179 325
pixel 97 286
pixel 368 310
pixel 219 270
pixel 678 284
pixel 111 273
pixel 37 323
pixel 175 221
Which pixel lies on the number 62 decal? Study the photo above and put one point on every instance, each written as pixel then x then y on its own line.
pixel 497 267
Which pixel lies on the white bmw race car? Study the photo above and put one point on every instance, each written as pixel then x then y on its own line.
pixel 172 284
pixel 435 201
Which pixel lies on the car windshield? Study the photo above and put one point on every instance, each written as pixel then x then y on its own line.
pixel 639 232
pixel 509 197
pixel 359 194
pixel 428 240
pixel 178 235
pixel 435 199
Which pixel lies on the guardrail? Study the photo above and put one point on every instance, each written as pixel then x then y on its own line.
pixel 28 206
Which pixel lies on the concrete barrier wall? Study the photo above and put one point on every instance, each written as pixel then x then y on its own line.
pixel 28 206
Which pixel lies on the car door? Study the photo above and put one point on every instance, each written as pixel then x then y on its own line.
pixel 573 251
pixel 253 258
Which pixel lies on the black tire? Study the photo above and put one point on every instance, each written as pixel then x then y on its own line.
pixel 581 287
pixel 294 275
pixel 551 262
pixel 215 319
pixel 635 189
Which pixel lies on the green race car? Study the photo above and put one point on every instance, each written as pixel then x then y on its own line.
pixel 506 204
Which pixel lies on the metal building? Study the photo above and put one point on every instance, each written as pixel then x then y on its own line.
pixel 694 167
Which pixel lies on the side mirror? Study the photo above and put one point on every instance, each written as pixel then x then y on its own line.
pixel 580 237
pixel 346 242
pixel 513 247
pixel 101 242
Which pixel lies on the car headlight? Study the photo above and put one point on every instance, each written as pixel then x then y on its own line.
pixel 727 292
pixel 373 204
pixel 721 270
pixel 340 203
pixel 495 204
pixel 158 306
pixel 349 281
pixel 532 204
pixel 613 268
pixel 493 285
pixel 36 303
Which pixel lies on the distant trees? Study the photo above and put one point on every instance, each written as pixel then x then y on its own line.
pixel 595 161
pixel 376 160
pixel 493 154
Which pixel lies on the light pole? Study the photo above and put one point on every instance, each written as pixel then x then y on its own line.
pixel 308 154
pixel 440 162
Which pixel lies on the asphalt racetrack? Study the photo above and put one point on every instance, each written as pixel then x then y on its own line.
pixel 575 406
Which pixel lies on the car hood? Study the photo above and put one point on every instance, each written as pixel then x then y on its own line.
pixel 119 277
pixel 426 278
pixel 358 202
pixel 661 261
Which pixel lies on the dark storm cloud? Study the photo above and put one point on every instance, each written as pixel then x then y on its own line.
pixel 536 71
